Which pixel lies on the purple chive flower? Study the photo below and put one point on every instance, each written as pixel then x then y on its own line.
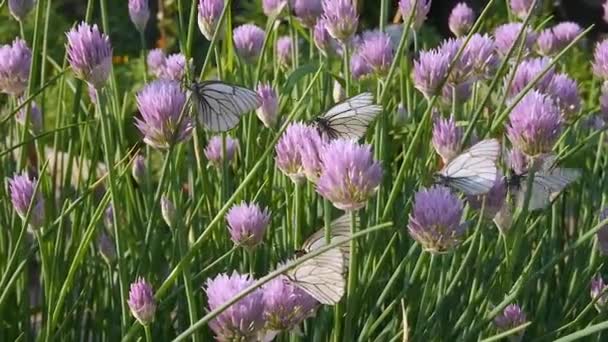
pixel 248 41
pixel 600 60
pixel 463 65
pixel 286 305
pixel 269 110
pixel 176 67
pixel 341 19
pixel 307 11
pixel 139 12
pixel 447 138
pixel 511 317
pixel 213 151
pixel 599 293
pixel 141 301
pixel 243 320
pixel 517 161
pixel 602 234
pixel 273 8
pixel 310 153
pixel 481 51
pixel 418 8
pixel 22 191
pixel 138 169
pixel 359 68
pixel 461 19
pixel 526 72
pixel 546 43
pixel 15 62
pixel 565 33
pixel 161 103
pixel 247 224
pixel 288 151
pixel 349 175
pixel 322 39
pixel 20 8
pixel 90 54
pixel 284 48
pixel 494 199
pixel 209 12
pixel 459 93
pixel 430 71
pixel 534 124
pixel 167 209
pixel 156 62
pixel 377 51
pixel 505 36
pixel 521 7
pixel 106 247
pixel 435 220
pixel 564 92
pixel 35 118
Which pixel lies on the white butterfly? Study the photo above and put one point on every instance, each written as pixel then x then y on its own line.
pixel 220 105
pixel 323 277
pixel 473 171
pixel 549 181
pixel 350 118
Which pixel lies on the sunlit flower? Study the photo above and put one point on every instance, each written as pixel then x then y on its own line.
pixel 512 316
pixel 286 305
pixel 284 50
pixel 269 110
pixel 340 18
pixel 141 301
pixel 248 41
pixel 20 8
pixel 23 194
pixel 461 19
pixel 247 223
pixel 505 37
pixel 418 8
pixel 15 62
pixel 209 12
pixel 90 54
pixel 213 151
pixel 307 11
pixel 139 12
pixel 447 138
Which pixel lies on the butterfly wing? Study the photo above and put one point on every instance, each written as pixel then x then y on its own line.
pixel 350 118
pixel 322 277
pixel 473 171
pixel 548 183
pixel 340 231
pixel 220 105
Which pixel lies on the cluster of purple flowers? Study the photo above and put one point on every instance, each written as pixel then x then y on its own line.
pixel 173 67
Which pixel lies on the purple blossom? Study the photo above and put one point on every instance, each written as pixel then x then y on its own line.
pixel 168 211
pixel 161 104
pixel 244 319
pixel 517 161
pixel 599 293
pixel 35 117
pixel 505 36
pixel 341 19
pixel 139 12
pixel 349 174
pixel 463 65
pixel 534 124
pixel 15 62
pixel 288 151
pixel 461 19
pixel 141 301
pixel 435 220
pixel 546 43
pixel 494 199
pixel 23 192
pixel 273 8
pixel 359 68
pixel 324 42
pixel 430 71
pixel 284 49
pixel 209 12
pixel 138 169
pixel 213 151
pixel 176 67
pixel 269 110
pixel 565 33
pixel 458 93
pixel 310 153
pixel 106 247
pixel 602 234
pixel 447 138
pixel 564 92
pixel 247 223
pixel 90 54
pixel 600 60
pixel 376 50
pixel 482 53
pixel 512 316
pixel 307 11
pixel 248 41
pixel 20 8
pixel 418 8
pixel 521 7
pixel 527 71
pixel 286 305
pixel 156 61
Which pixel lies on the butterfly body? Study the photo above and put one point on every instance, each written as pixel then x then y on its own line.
pixel 348 119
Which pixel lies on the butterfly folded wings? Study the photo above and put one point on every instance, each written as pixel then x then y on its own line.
pixel 350 118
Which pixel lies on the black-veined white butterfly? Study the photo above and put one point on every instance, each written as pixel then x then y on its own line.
pixel 549 181
pixel 220 105
pixel 350 118
pixel 473 171
pixel 323 277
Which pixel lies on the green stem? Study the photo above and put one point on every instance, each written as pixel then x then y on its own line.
pixel 353 273
pixel 142 40
pixel 346 71
pixel 298 213
pixel 148 334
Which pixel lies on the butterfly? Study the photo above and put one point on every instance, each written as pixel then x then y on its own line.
pixel 323 277
pixel 350 118
pixel 549 181
pixel 220 105
pixel 473 171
